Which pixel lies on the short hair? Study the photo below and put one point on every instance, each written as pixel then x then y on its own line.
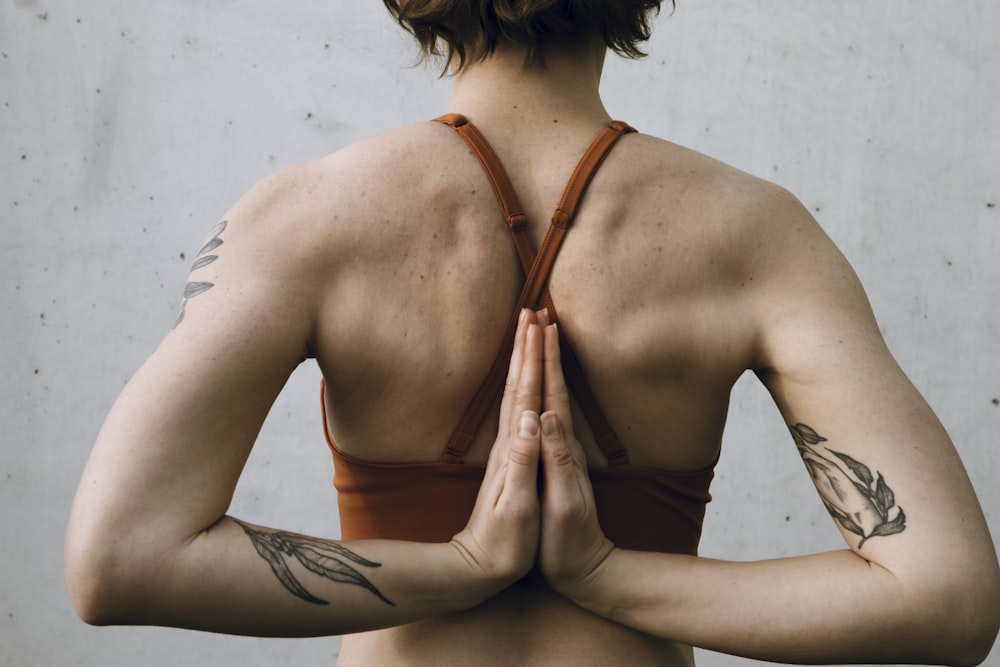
pixel 468 31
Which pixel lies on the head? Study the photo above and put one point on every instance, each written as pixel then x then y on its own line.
pixel 468 31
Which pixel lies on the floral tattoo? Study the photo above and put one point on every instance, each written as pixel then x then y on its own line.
pixel 204 258
pixel 327 559
pixel 859 502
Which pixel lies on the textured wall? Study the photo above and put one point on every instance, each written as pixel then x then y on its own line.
pixel 126 129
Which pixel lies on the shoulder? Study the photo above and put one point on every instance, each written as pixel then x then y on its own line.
pixel 306 190
pixel 724 215
pixel 304 211
pixel 702 186
pixel 757 244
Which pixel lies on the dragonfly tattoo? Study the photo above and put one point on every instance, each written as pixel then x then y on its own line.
pixel 327 559
pixel 204 258
pixel 854 497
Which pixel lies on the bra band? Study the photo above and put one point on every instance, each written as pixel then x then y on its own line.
pixel 535 294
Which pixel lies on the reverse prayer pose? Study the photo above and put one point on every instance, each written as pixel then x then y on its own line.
pixel 524 406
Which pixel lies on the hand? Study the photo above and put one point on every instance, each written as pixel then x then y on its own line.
pixel 573 546
pixel 501 538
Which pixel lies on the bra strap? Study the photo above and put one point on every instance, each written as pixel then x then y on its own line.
pixel 535 293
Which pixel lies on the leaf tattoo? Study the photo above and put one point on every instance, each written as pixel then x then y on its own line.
pixel 861 502
pixel 203 259
pixel 320 557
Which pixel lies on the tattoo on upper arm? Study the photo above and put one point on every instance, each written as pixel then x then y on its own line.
pixel 859 502
pixel 204 258
pixel 327 559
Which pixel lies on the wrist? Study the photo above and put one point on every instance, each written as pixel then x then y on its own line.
pixel 479 578
pixel 589 589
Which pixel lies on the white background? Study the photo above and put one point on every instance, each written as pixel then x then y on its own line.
pixel 128 128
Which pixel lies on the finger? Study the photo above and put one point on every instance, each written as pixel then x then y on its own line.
pixel 525 318
pixel 566 479
pixel 556 397
pixel 528 393
pixel 513 462
pixel 521 478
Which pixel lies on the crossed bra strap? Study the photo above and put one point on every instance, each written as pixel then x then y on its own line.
pixel 535 294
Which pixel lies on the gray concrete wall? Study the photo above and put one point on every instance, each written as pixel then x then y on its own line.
pixel 127 128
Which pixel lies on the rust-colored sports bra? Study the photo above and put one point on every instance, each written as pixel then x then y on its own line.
pixel 638 507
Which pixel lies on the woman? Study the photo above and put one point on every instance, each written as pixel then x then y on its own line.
pixel 669 275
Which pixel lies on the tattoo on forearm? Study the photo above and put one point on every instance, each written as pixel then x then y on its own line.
pixel 320 557
pixel 859 502
pixel 204 258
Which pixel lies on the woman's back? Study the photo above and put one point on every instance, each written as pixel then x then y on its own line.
pixel 651 286
pixel 646 287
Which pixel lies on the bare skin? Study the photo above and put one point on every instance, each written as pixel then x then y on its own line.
pixel 390 264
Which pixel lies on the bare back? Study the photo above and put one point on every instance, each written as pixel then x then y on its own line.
pixel 650 286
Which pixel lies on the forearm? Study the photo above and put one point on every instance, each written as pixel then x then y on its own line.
pixel 241 579
pixel 826 608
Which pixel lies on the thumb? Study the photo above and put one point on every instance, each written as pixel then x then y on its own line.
pixel 563 461
pixel 522 456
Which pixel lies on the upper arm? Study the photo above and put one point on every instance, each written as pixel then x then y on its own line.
pixel 172 448
pixel 882 462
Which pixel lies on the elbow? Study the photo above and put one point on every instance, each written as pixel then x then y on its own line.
pixel 970 647
pixel 91 609
pixel 102 577
pixel 93 586
pixel 966 618
pixel 978 638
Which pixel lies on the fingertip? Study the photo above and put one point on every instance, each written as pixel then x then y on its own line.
pixel 528 426
pixel 550 424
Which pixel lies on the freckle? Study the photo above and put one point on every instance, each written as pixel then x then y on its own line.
pixel 182 256
pixel 996 401
pixel 788 518
pixel 990 205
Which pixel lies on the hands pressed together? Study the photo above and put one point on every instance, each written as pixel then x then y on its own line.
pixel 522 519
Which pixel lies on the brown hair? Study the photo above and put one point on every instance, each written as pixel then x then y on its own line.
pixel 464 31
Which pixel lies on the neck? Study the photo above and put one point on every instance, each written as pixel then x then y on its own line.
pixel 563 88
